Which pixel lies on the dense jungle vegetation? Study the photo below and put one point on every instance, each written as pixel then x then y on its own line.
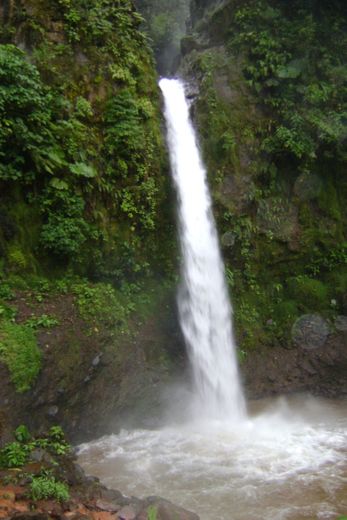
pixel 272 115
pixel 83 168
pixel 85 197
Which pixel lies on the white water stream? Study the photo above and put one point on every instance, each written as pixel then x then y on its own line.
pixel 203 302
pixel 285 460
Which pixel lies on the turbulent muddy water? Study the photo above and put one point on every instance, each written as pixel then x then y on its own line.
pixel 287 461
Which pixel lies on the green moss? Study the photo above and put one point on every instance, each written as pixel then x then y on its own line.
pixel 16 258
pixel 328 200
pixel 19 351
pixel 309 293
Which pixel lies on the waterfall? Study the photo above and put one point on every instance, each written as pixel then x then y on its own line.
pixel 203 301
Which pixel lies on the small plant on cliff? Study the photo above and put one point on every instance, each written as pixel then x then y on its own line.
pixel 44 320
pixel 16 454
pixel 46 486
pixel 152 513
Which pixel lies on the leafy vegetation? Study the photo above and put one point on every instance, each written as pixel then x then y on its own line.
pixel 81 151
pixel 45 486
pixel 271 114
pixel 15 455
pixel 19 351
pixel 42 321
pixel 294 63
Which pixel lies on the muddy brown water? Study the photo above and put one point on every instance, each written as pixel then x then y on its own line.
pixel 287 461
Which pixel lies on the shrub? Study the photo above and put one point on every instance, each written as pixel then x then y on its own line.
pixel 44 487
pixel 25 114
pixel 14 455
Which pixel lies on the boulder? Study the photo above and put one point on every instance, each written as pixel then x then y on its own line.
pixel 165 510
pixel 127 513
pixel 310 331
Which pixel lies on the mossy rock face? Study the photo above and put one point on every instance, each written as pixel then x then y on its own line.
pixel 278 217
pixel 235 193
pixel 307 186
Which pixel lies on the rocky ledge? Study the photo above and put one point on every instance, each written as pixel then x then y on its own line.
pixel 88 498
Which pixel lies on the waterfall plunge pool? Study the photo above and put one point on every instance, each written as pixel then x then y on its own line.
pixel 287 461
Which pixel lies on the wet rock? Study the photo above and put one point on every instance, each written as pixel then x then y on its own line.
pixel 91 480
pixel 110 507
pixel 222 86
pixel 188 44
pixel 96 360
pixel 81 58
pixel 78 474
pixel 166 510
pixel 310 331
pixel 341 323
pixel 309 368
pixel 235 192
pixel 52 411
pixel 40 401
pixel 127 513
pixel 73 515
pixel 40 455
pixel 113 496
pixel 228 239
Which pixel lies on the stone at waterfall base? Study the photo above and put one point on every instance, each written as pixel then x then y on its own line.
pixel 89 500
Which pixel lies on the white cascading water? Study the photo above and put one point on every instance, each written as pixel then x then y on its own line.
pixel 204 306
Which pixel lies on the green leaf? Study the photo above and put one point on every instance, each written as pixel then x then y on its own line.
pixel 292 70
pixel 58 184
pixel 83 170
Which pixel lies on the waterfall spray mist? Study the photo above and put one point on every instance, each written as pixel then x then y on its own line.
pixel 203 302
